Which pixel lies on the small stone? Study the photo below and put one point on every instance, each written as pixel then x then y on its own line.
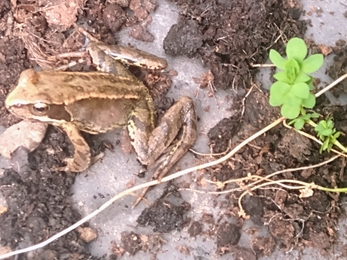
pixel 87 234
pixel 122 3
pixel 25 134
pixel 3 204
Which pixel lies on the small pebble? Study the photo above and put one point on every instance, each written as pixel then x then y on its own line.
pixel 25 134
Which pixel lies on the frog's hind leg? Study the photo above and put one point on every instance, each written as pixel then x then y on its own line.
pixel 105 63
pixel 178 122
pixel 131 56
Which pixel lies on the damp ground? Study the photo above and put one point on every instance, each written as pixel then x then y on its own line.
pixel 210 47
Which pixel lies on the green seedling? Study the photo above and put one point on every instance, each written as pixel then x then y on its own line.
pixel 292 91
pixel 328 135
pixel 293 85
pixel 302 119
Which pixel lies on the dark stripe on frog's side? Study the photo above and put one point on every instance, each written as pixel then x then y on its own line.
pixel 58 112
pixel 142 126
pixel 99 115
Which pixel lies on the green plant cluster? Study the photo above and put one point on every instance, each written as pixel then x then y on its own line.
pixel 293 85
pixel 327 133
pixel 292 91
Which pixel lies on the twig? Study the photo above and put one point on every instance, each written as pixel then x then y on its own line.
pixel 331 85
pixel 244 99
pixel 262 65
pixel 213 154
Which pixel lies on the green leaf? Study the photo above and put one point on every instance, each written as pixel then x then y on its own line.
pixel 330 145
pixel 310 83
pixel 282 76
pixel 296 49
pixel 325 146
pixel 291 106
pixel 293 100
pixel 330 123
pixel 299 124
pixel 314 115
pixel 309 102
pixel 336 135
pixel 291 122
pixel 290 111
pixel 319 128
pixel 302 77
pixel 278 93
pixel 312 63
pixel 326 132
pixel 292 69
pixel 277 59
pixel 301 90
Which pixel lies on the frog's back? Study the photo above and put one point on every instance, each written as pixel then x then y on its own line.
pixel 52 87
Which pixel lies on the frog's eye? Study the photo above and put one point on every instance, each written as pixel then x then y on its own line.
pixel 40 109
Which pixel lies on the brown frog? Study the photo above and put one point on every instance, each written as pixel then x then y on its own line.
pixel 97 102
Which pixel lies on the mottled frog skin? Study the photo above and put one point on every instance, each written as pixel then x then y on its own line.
pixel 97 102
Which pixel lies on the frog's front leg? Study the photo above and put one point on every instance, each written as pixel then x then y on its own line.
pixel 82 157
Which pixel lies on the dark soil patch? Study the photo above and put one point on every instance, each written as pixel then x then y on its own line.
pixel 165 216
pixel 338 68
pixel 228 36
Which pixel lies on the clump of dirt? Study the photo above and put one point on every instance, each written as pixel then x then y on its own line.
pixel 338 68
pixel 133 243
pixel 229 36
pixel 164 215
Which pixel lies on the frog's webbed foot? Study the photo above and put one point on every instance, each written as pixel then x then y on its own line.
pixel 97 158
pixel 73 165
pixel 70 166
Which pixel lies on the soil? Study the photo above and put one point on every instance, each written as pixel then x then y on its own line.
pixel 338 68
pixel 229 36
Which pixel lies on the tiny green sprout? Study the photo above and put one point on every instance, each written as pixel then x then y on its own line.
pixel 293 85
pixel 300 121
pixel 327 134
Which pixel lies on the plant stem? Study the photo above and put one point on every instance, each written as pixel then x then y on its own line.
pixel 339 145
pixel 331 189
pixel 311 123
